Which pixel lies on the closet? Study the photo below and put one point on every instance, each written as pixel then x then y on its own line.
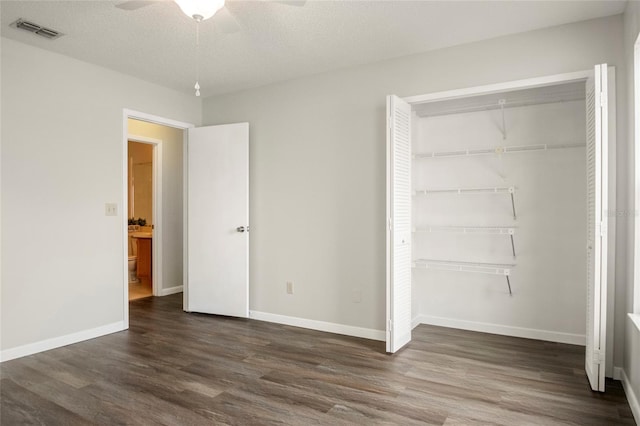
pixel 497 209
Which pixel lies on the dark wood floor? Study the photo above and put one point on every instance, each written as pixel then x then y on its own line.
pixel 175 368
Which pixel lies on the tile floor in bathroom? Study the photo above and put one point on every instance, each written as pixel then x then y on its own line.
pixel 140 289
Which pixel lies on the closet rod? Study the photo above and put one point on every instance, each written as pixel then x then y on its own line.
pixel 474 267
pixel 498 150
pixel 489 106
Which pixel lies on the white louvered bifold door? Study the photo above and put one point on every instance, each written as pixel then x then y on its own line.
pixel 398 223
pixel 597 206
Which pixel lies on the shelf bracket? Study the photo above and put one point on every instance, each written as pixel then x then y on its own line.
pixel 512 190
pixel 502 102
pixel 509 285
pixel 513 247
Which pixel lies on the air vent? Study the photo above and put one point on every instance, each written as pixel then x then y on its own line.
pixel 37 29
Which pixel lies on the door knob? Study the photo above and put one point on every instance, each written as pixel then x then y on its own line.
pixel 240 229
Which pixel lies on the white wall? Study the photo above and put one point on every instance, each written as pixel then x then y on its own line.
pixel 140 175
pixel 632 333
pixel 172 144
pixel 62 160
pixel 550 200
pixel 317 163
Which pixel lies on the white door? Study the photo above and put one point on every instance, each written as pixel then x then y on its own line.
pixel 597 222
pixel 398 223
pixel 218 220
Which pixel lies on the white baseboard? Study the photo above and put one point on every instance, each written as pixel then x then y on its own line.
pixel 631 395
pixel 415 322
pixel 330 327
pixel 617 373
pixel 57 342
pixel 528 333
pixel 170 290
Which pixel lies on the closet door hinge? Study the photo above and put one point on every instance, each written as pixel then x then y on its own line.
pixel 603 229
pixel 597 357
pixel 603 100
pixel 389 226
pixel 390 325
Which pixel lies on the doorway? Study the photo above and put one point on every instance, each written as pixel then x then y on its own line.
pixel 144 184
pixel 208 243
pixel 167 139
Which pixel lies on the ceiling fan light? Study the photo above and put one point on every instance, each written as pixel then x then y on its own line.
pixel 200 9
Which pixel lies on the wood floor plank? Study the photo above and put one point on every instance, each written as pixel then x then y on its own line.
pixel 94 409
pixel 23 407
pixel 176 368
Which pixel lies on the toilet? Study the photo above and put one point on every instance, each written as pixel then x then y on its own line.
pixel 133 250
pixel 132 270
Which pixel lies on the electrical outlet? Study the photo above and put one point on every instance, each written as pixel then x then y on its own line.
pixel 111 209
pixel 356 295
pixel 289 287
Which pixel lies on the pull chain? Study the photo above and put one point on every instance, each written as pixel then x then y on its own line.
pixel 197 86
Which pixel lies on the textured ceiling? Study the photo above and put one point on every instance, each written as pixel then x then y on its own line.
pixel 277 41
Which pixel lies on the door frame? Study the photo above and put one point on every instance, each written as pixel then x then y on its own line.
pixel 635 313
pixel 156 242
pixel 155 119
pixel 549 81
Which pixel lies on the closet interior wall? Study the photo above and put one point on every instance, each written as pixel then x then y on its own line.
pixel 548 299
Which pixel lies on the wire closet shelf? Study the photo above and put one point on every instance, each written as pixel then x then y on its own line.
pixel 503 269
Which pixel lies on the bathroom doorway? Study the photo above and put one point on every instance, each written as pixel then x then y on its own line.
pixel 168 139
pixel 162 215
pixel 141 184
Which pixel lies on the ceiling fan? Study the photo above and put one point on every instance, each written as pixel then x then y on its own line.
pixel 201 10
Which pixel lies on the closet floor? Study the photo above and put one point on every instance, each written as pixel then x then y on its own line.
pixel 175 368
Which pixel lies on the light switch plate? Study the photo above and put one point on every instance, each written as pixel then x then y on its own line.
pixel 111 209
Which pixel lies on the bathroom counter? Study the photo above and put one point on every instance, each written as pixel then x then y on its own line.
pixel 141 235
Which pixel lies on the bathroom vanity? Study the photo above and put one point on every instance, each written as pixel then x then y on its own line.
pixel 143 240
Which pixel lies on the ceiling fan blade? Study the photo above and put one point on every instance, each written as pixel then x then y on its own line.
pixel 225 21
pixel 134 4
